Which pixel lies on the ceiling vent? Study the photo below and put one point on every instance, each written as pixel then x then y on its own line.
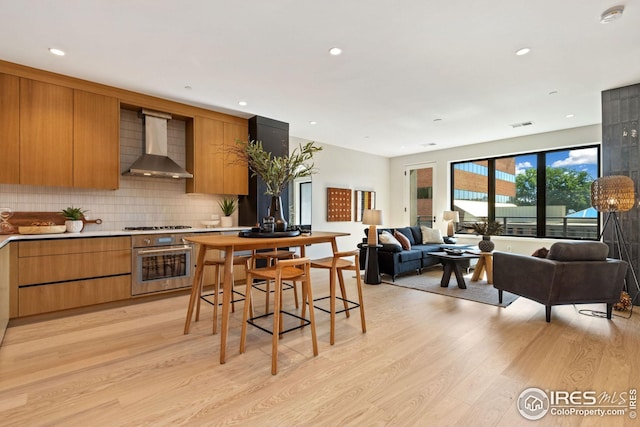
pixel 519 125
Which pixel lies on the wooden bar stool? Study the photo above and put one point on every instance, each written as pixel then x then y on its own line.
pixel 296 269
pixel 336 265
pixel 273 257
pixel 218 264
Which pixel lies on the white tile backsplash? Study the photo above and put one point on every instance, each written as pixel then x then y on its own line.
pixel 139 201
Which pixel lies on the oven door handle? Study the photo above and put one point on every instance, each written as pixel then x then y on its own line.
pixel 165 250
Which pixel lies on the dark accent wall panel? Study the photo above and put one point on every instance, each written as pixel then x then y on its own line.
pixel 274 135
pixel 621 156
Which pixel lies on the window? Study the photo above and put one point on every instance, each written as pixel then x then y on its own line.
pixel 544 194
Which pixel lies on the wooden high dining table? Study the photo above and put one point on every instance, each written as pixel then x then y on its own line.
pixel 232 243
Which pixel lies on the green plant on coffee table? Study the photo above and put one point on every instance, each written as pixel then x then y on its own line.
pixel 488 228
pixel 228 205
pixel 73 214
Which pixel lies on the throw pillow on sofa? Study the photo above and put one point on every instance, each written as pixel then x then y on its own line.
pixel 541 253
pixel 404 242
pixel 431 235
pixel 386 237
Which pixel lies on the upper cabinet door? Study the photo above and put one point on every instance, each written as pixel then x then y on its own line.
pixel 96 141
pixel 46 134
pixel 205 157
pixel 9 129
pixel 236 172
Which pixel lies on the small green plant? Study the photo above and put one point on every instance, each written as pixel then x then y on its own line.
pixel 488 228
pixel 73 214
pixel 228 205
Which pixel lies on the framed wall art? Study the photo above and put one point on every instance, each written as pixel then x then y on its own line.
pixel 338 204
pixel 363 200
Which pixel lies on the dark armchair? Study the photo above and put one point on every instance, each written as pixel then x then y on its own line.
pixel 572 273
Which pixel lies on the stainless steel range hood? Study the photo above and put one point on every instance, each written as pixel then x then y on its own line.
pixel 155 162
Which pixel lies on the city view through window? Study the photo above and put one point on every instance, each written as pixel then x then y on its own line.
pixel 544 194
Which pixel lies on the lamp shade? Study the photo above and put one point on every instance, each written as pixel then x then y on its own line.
pixel 372 217
pixel 451 216
pixel 613 193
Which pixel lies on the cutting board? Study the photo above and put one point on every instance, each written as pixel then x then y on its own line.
pixel 33 229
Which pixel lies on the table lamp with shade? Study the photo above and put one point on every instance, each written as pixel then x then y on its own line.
pixel 372 217
pixel 451 217
pixel 613 194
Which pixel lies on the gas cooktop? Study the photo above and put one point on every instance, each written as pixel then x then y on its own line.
pixel 158 227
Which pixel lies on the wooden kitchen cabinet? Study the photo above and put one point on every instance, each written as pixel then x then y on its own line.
pixel 96 141
pixel 46 134
pixel 58 274
pixel 216 170
pixel 205 158
pixel 57 136
pixel 5 288
pixel 236 175
pixel 9 129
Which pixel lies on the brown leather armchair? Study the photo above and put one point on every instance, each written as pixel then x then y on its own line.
pixel 572 273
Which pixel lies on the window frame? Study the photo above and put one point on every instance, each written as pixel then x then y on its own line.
pixel 541 192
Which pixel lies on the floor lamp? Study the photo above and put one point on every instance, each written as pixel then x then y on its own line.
pixel 613 194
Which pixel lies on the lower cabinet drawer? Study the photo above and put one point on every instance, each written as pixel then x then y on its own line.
pixel 60 296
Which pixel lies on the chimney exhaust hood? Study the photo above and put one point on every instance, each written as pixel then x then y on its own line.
pixel 155 162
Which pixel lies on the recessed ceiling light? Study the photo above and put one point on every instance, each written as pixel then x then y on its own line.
pixel 242 103
pixel 55 51
pixel 187 87
pixel 611 14
pixel 313 122
pixel 553 92
pixel 569 116
pixel 437 120
pixel 523 51
pixel 335 51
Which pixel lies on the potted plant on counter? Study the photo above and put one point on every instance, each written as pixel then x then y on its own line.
pixel 228 205
pixel 74 219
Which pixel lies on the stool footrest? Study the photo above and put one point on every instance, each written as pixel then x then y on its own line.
pixel 204 297
pixel 269 331
pixel 352 305
pixel 285 287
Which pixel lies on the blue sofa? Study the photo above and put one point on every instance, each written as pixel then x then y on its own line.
pixel 393 260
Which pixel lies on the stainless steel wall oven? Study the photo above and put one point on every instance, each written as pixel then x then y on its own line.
pixel 161 262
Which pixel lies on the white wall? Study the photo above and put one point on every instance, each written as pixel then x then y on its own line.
pixel 343 168
pixel 441 159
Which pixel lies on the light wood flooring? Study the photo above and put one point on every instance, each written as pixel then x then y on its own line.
pixel 426 360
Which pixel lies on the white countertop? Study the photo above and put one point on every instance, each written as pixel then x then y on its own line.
pixel 4 239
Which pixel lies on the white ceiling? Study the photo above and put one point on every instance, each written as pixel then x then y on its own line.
pixel 404 65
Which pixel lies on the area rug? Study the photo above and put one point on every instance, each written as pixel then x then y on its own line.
pixel 429 281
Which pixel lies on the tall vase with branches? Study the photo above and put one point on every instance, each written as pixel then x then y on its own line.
pixel 487 229
pixel 277 171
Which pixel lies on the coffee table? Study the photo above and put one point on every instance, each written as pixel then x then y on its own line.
pixel 452 265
